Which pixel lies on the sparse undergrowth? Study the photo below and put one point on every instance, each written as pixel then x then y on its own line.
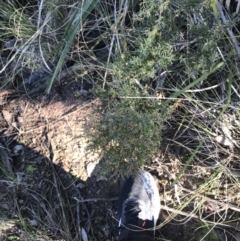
pixel 166 74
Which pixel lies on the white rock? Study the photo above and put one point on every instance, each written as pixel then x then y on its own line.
pixel 90 168
pixel 18 149
pixel 224 141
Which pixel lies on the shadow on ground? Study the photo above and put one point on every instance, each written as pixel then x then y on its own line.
pixel 40 196
pixel 41 201
pixel 47 191
pixel 49 186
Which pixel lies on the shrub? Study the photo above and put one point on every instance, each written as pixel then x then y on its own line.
pixel 127 130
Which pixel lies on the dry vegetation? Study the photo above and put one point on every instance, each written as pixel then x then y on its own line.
pixel 93 90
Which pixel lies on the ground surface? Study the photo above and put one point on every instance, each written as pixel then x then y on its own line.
pixel 44 140
pixel 47 134
pixel 185 59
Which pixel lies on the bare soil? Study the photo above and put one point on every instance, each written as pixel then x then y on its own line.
pixel 45 135
pixel 44 139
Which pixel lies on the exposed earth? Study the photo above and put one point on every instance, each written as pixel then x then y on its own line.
pixel 43 140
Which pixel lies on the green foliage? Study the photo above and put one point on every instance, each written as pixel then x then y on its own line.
pixel 166 37
pixel 30 168
pixel 70 33
pixel 206 233
pixel 150 48
pixel 128 130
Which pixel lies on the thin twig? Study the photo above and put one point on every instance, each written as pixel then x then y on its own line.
pixel 109 56
pixel 192 215
pixel 164 207
pixel 166 98
pixel 230 33
pixel 225 205
pixel 193 91
pixel 96 199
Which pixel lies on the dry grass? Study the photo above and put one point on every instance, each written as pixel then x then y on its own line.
pixel 28 204
pixel 184 59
